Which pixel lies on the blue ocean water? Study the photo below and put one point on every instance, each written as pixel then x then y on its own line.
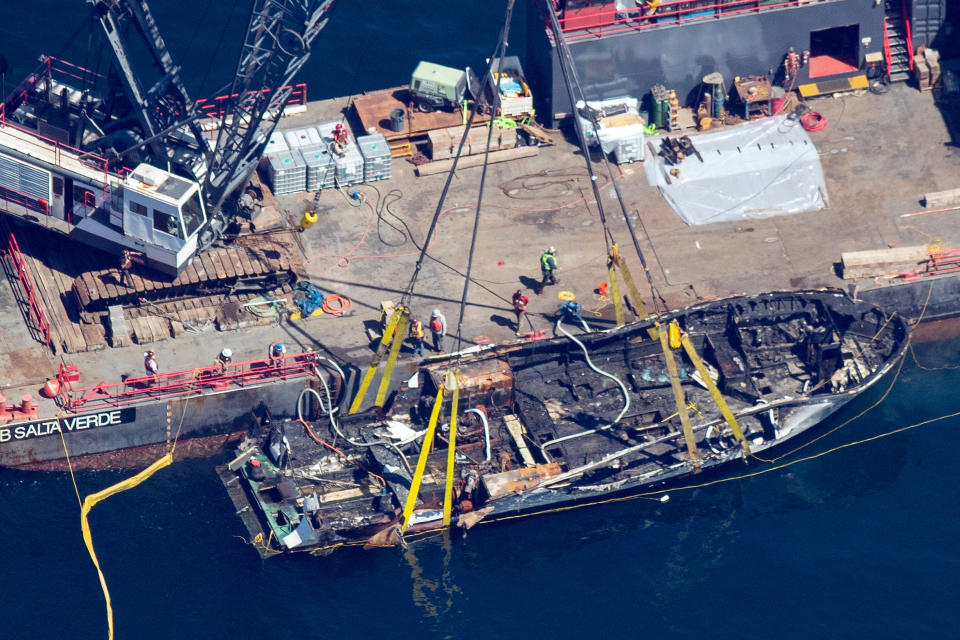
pixel 858 543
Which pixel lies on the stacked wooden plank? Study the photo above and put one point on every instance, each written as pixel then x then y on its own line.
pixel 443 143
pixel 880 262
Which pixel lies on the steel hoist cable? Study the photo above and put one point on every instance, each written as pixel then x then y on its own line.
pixel 500 53
pixel 572 82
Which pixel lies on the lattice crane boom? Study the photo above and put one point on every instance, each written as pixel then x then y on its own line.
pixel 276 46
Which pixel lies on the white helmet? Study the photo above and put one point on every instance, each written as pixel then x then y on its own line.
pixel 436 312
pixel 226 353
pixel 552 250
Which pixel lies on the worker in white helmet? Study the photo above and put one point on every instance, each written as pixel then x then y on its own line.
pixel 224 358
pixel 150 367
pixel 438 327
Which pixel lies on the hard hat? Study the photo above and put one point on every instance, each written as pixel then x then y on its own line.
pixel 147 354
pixel 226 353
pixel 435 313
pixel 552 250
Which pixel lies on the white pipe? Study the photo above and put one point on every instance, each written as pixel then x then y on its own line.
pixel 333 422
pixel 626 396
pixel 486 429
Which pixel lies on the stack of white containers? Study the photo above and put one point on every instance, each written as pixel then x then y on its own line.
pixel 283 169
pixel 321 170
pixel 288 173
pixel 377 159
pixel 301 159
pixel 349 166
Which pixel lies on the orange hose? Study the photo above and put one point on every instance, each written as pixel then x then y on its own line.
pixel 344 305
pixel 383 482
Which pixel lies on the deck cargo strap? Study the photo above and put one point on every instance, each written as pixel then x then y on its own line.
pixel 422 461
pixel 678 397
pixel 391 339
pixel 714 391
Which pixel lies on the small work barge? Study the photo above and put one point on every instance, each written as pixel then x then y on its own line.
pixel 532 425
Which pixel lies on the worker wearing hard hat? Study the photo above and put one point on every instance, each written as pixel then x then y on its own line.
pixel 548 266
pixel 150 367
pixel 438 327
pixel 224 358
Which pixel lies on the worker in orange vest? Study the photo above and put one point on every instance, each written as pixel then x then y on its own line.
pixel 438 327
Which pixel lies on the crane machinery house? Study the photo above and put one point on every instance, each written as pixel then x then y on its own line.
pixel 71 191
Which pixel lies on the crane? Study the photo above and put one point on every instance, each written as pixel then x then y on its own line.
pixel 69 135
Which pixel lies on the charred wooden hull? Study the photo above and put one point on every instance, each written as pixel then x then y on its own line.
pixel 572 419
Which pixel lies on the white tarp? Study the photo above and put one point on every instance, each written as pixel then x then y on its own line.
pixel 765 168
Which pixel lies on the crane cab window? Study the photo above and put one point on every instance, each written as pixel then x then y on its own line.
pixel 166 223
pixel 192 214
pixel 136 207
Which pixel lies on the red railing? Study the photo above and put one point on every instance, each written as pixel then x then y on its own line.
pixel 190 382
pixel 906 27
pixel 887 55
pixel 86 158
pixel 216 107
pixel 26 284
pixel 601 23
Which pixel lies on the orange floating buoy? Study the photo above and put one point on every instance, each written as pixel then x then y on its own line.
pixel 52 388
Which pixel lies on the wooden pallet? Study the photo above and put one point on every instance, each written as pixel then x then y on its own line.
pixel 251 256
pixel 374 109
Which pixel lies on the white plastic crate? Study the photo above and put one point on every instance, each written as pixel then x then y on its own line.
pixel 287 173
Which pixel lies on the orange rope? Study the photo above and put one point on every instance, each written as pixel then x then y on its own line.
pixel 383 482
pixel 344 304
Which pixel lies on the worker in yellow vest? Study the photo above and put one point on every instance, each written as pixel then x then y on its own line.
pixel 417 334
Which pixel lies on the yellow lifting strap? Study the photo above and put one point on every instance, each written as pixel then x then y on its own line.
pixel 385 340
pixel 398 335
pixel 615 293
pixel 91 500
pixel 638 305
pixel 678 397
pixel 451 451
pixel 422 461
pixel 712 388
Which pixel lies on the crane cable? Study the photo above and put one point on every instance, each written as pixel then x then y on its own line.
pixel 572 81
pixel 500 53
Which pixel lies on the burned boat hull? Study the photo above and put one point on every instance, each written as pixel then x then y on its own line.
pixel 569 420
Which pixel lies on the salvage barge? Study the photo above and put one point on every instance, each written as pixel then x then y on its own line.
pixel 108 424
pixel 561 421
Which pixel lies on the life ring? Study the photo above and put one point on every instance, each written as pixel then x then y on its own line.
pixel 337 305
pixel 566 296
